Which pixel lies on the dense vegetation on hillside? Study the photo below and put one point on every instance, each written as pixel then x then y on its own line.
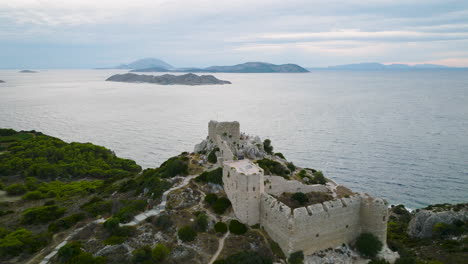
pixel 54 185
pixel 37 155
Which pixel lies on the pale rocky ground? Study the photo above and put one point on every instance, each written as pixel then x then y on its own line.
pixel 422 223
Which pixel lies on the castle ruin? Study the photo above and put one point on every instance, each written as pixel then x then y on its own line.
pixel 310 228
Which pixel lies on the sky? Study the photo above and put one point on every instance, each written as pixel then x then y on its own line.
pixel 312 33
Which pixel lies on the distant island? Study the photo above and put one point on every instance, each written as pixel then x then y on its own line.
pixel 27 71
pixel 248 67
pixel 157 65
pixel 372 66
pixel 168 79
pixel 2 81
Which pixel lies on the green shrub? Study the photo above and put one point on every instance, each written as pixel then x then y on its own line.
pixel 114 240
pixel 21 240
pixel 16 189
pixel 213 176
pixel 112 224
pixel 96 206
pixel 220 227
pixel 211 198
pixel 66 222
pixel 300 197
pixel 187 234
pixel 160 252
pixel 201 222
pixel 443 230
pixel 296 258
pixel 291 166
pixel 72 253
pixel 267 146
pixel 368 245
pixel 34 195
pixel 41 214
pixel 319 178
pixel 272 167
pixel 212 156
pixel 276 249
pixel 7 132
pixel 237 227
pixel 280 155
pixel 221 205
pixel 142 255
pixel 131 209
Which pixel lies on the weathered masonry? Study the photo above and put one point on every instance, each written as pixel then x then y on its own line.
pixel 311 228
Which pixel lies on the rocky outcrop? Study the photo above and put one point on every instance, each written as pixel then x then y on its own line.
pixel 168 79
pixel 422 223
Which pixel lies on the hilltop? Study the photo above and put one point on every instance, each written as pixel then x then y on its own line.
pixel 80 203
pixel 248 67
pixel 145 63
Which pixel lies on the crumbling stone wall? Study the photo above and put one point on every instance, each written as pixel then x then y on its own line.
pixel 276 185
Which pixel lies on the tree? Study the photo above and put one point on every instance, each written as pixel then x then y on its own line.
pixel 220 227
pixel 187 234
pixel 221 205
pixel 211 198
pixel 142 255
pixel 212 156
pixel 368 245
pixel 267 146
pixel 201 222
pixel 296 258
pixel 319 178
pixel 237 227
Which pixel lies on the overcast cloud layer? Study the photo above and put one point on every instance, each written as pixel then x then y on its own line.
pixel 92 33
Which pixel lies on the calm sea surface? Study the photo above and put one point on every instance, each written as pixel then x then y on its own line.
pixel 398 135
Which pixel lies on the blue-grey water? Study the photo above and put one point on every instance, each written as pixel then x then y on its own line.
pixel 399 135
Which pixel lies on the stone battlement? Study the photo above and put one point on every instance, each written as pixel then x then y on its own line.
pixel 310 228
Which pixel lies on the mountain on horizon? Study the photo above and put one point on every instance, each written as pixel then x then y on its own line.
pixel 366 66
pixel 145 63
pixel 248 67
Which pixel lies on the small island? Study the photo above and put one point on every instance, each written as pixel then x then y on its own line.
pixel 2 81
pixel 27 71
pixel 168 79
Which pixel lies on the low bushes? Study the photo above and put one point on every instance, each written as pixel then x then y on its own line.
pixel 66 222
pixel 41 214
pixel 213 176
pixel 220 227
pixel 272 167
pixel 96 206
pixel 300 197
pixel 187 234
pixel 147 255
pixel 296 258
pixel 221 205
pixel 117 234
pixel 368 245
pixel 163 222
pixel 72 253
pixel 21 240
pixel 130 209
pixel 16 189
pixel 237 227
pixel 201 222
pixel 211 198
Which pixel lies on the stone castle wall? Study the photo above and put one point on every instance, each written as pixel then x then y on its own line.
pixel 231 130
pixel 320 226
pixel 276 185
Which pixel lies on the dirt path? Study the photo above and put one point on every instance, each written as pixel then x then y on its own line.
pixel 220 248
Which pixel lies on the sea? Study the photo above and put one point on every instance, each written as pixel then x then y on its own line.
pixel 400 135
